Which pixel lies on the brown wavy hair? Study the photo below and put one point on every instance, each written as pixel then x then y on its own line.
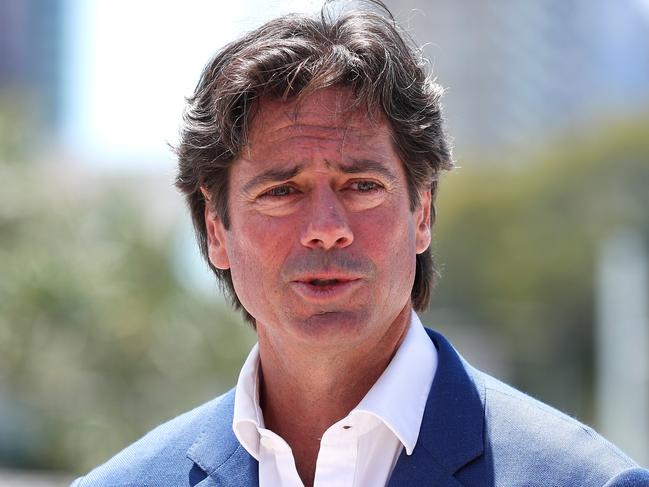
pixel 362 49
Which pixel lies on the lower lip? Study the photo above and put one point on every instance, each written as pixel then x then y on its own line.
pixel 326 293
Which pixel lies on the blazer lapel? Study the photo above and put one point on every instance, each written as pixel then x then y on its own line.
pixel 451 433
pixel 419 469
pixel 450 437
pixel 219 458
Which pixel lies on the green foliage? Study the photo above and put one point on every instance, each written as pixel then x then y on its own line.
pixel 98 340
pixel 17 122
pixel 519 246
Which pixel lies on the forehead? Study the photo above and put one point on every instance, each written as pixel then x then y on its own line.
pixel 322 117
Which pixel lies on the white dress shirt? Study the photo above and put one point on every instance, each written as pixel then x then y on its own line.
pixel 361 449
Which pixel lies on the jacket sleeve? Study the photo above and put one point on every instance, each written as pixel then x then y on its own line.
pixel 634 477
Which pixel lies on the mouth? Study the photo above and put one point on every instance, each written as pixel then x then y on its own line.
pixel 326 282
pixel 322 290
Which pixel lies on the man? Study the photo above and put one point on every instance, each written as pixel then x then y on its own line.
pixel 310 157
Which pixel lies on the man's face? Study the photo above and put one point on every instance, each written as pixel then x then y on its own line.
pixel 322 242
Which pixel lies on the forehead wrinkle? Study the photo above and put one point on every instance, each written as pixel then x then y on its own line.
pixel 287 117
pixel 342 145
pixel 306 131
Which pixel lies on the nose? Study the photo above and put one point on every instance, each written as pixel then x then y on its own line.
pixel 327 226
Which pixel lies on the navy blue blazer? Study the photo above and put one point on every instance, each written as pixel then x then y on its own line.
pixel 476 431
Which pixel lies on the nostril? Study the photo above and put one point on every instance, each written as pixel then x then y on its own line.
pixel 327 237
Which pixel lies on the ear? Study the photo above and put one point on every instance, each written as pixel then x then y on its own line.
pixel 422 222
pixel 216 247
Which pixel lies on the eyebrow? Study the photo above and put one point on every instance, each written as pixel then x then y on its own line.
pixel 357 166
pixel 366 165
pixel 273 175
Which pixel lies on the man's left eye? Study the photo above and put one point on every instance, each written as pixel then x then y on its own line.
pixel 365 186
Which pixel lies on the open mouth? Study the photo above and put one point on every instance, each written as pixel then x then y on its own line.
pixel 325 282
pixel 323 290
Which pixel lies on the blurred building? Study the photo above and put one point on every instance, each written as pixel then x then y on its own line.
pixel 31 54
pixel 517 72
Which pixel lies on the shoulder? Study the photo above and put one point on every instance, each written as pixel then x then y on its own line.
pixel 524 436
pixel 503 435
pixel 159 457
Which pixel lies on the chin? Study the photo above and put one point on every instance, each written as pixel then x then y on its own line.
pixel 326 326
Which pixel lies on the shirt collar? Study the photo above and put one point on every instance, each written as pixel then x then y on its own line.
pixel 398 398
pixel 248 418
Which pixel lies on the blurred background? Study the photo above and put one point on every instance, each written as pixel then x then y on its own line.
pixel 110 323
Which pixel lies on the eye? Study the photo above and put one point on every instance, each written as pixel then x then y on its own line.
pixel 279 192
pixel 365 186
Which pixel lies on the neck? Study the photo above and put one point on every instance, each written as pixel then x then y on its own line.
pixel 305 390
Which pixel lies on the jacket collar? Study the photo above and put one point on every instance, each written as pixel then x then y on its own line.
pixel 217 452
pixel 451 433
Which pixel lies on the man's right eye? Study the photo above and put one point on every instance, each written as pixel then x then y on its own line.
pixel 279 191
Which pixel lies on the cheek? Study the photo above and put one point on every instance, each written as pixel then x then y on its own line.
pixel 256 253
pixel 402 258
pixel 387 234
pixel 389 242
